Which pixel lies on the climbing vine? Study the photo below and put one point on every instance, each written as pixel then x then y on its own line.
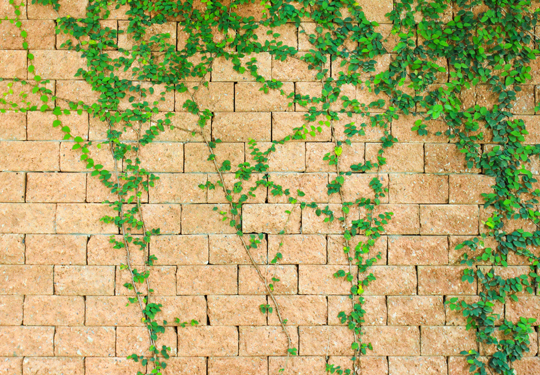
pixel 474 44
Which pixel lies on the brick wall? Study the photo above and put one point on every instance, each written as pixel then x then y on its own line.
pixel 62 301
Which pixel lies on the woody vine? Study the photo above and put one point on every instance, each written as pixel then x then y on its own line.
pixel 489 42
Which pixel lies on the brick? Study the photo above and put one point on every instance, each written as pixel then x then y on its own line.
pixel 255 341
pixel 417 365
pixel 27 218
pixel 402 129
pixel 54 311
pixel 73 90
pixel 248 98
pixel 444 158
pixel 466 189
pixel 415 311
pixel 52 365
pixel 249 281
pixel 391 280
pixel 401 157
pixel 525 307
pixel 56 187
pixel 321 280
pixel 40 34
pixel 11 310
pixel 196 156
pixel 241 127
pixel 179 365
pixel 26 280
pixel 458 219
pixel 222 69
pixel 297 68
pixel 26 341
pixel 447 341
pixel 179 188
pixel 300 310
pixel 112 311
pixel 13 124
pixel 456 318
pixel 271 218
pixel 56 64
pixel 40 126
pixel 29 156
pixel 375 308
pixel 298 365
pixel 217 97
pixel 162 105
pixel 288 157
pixel 163 157
pixel 166 217
pixel 368 365
pixel 414 250
pixel 12 248
pixel 111 366
pixel 72 8
pixel 180 250
pixel 162 280
pixel 419 188
pixel 336 255
pixel 229 249
pixel 135 340
pixel 405 219
pixel 97 192
pixel 11 365
pixel 126 40
pixel 357 186
pixel 16 90
pixel 442 280
pixel 238 366
pixel 325 340
pixel 298 249
pixel 217 195
pixel 489 350
pixel 236 310
pixel 13 65
pixel 285 123
pixel 312 223
pixel 102 253
pixel 393 341
pixel 185 308
pixel 70 160
pixel 64 38
pixel 84 280
pixel 202 219
pixel 208 341
pixel 315 152
pixel 84 218
pixel 84 341
pixel 197 280
pixel 376 12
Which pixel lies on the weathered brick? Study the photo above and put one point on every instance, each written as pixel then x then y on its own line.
pixel 316 151
pixel 185 365
pixel 208 341
pixel 236 310
pixel 298 249
pixel 217 97
pixel 446 158
pixel 249 281
pixel 456 318
pixel 53 365
pixel 70 160
pixel 401 157
pixel 248 98
pixel 110 366
pixel 217 195
pixel 197 280
pixel 75 91
pixel 391 280
pixel 298 365
pixel 84 280
pixel 72 8
pixel 376 12
pixel 447 340
pixel 375 307
pixel 255 341
pixel 40 34
pixel 112 311
pixel 185 308
pixel 179 188
pixel 27 218
pixel 26 341
pixel 288 34
pixel 336 255
pixel 405 218
pixel 166 217
pixel 203 219
pixel 414 250
pixel 300 310
pixel 238 366
pixel 442 280
pixel 468 189
pixel 458 219
pixel 321 280
pixel 241 127
pixel 401 129
pixel 357 186
pixel 285 123
pixel 101 252
pixel 418 188
pixel 163 157
pixel 54 64
pixel 196 156
pixel 325 340
pixel 368 365
pixel 29 156
pixel 525 307
pixel 11 365
pixel 135 340
pixel 13 124
pixel 11 310
pixel 417 365
pixel 180 250
pixel 40 126
pixel 84 341
pixel 12 248
pixel 84 218
pixel 230 249
pixel 26 279
pixel 162 280
pixel 54 310
pixel 13 91
pixel 12 187
pixel 13 64
pixel 313 223
pixel 56 187
pixel 271 218
pixel 297 69
pixel 415 311
pixel 222 69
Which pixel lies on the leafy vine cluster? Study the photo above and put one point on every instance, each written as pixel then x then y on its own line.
pixel 488 42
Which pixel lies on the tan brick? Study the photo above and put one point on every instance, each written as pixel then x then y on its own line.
pixel 316 224
pixel 442 280
pixel 202 219
pixel 27 218
pixel 208 341
pixel 288 157
pixel 70 160
pixel 447 340
pixel 55 249
pixel 241 127
pixel 84 280
pixel 11 310
pixel 375 308
pixel 455 256
pixel 321 280
pixel 163 157
pixel 298 365
pixel 297 68
pixel 418 188
pixel 13 65
pixel 336 255
pixel 135 340
pixel 26 279
pixel 196 156
pixel 102 253
pixel 217 195
pixel 72 90
pixel 271 218
pixel 469 189
pixel 405 218
pixel 362 131
pixel 84 341
pixel 56 187
pixel 255 341
pixel 417 365
pixel 40 126
pixel 401 157
pixel 54 310
pixel 185 365
pixel 97 192
pixel 456 318
pixel 29 156
pixel 180 250
pixel 16 90
pixel 300 310
pixel 489 350
pixel 57 64
pixel 229 249
pixel 238 366
pixel 166 217
pixel 415 311
pixel 84 218
pixel 52 365
pixel 185 308
pixel 197 280
pixel 12 249
pixel 357 186
pixel 324 340
pixel 458 219
pixel 413 250
pixel 40 34
pixel 376 12
pixel 13 124
pixel 11 365
pixel 223 70
pixel 527 365
pixel 285 123
pixel 298 249
pixel 368 365
pixel 162 105
pixel 111 366
pixel 443 158
pixel 401 129
pixel 112 311
pixel 217 97
pixel 316 151
pixel 391 280
pixel 236 310
pixel 72 8
pixel 399 341
pixel 26 341
pixel 249 281
pixel 127 41
pixel 162 280
pixel 248 98
pixel 528 307
pixel 179 188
